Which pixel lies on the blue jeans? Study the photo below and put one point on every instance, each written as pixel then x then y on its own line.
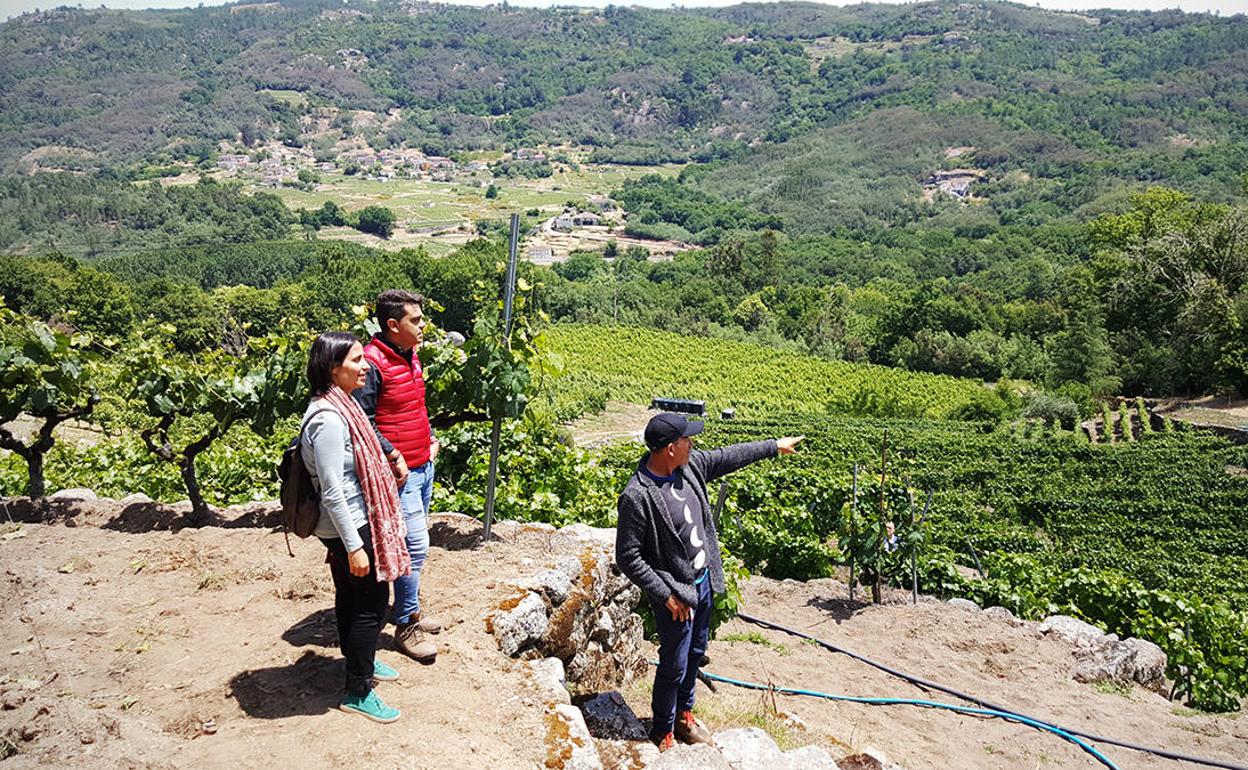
pixel 414 497
pixel 681 647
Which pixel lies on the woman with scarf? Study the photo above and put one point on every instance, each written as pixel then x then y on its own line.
pixel 361 522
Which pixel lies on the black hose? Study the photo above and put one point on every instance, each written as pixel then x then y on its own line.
pixel 925 684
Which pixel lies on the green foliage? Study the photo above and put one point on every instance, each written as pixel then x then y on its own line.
pixel 193 402
pixel 48 375
pixel 492 374
pixel 752 379
pixel 99 215
pixel 654 200
pixel 63 290
pixel 543 477
pixel 1104 532
pixel 880 531
pixel 375 220
pixel 1049 408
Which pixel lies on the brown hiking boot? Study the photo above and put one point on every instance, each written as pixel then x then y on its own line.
pixel 664 743
pixel 427 624
pixel 690 730
pixel 410 640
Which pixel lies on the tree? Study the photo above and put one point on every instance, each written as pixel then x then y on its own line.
pixel 377 220
pixel 46 374
pixel 193 402
pixel 1081 353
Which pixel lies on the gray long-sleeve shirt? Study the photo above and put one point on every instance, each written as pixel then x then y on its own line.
pixel 330 459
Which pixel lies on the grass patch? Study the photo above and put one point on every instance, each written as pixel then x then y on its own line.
pixel 1187 711
pixel 753 637
pixel 1110 687
pixel 723 714
pixel 286 96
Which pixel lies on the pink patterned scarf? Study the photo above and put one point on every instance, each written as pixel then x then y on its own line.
pixel 381 495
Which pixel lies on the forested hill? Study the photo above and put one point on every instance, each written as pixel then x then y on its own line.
pixel 793 98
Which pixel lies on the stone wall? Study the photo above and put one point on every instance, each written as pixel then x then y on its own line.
pixel 577 610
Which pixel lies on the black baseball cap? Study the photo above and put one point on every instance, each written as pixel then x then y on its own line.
pixel 664 428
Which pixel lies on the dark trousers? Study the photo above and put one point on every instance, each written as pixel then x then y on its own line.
pixel 360 608
pixel 681 647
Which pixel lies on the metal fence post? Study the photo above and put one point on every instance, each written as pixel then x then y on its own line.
pixel 509 293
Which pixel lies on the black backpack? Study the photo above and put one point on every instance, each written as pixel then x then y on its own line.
pixel 301 504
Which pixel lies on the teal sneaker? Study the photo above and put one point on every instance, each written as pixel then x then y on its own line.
pixel 369 706
pixel 382 672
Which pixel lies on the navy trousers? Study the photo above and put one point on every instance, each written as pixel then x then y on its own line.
pixel 681 647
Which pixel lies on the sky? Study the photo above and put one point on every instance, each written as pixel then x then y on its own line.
pixel 9 8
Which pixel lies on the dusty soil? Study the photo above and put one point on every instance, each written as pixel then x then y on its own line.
pixel 1211 410
pixel 620 421
pixel 980 655
pixel 125 647
pixel 80 433
pixel 118 648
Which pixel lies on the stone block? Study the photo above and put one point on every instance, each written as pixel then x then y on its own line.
pixel 519 627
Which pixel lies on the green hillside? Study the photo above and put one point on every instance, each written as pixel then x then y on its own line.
pixel 606 363
pixel 854 107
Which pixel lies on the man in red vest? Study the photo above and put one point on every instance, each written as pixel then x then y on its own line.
pixel 393 397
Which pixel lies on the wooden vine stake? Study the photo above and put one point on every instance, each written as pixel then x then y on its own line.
pixel 853 530
pixel 877 594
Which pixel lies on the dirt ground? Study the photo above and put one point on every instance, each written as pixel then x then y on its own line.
pixel 620 421
pixel 980 655
pixel 123 647
pixel 119 648
pixel 1211 410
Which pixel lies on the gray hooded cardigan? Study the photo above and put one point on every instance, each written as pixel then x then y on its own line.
pixel 647 547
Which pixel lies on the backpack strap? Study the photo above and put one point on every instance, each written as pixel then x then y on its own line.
pixel 308 419
pixel 299 444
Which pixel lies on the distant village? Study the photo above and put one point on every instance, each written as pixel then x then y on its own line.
pixel 276 164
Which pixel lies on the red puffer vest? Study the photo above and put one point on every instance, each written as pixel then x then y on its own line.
pixel 401 415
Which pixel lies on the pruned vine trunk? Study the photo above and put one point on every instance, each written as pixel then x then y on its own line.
pixel 34 453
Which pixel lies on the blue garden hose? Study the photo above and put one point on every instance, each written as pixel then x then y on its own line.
pixel 988 705
pixel 983 712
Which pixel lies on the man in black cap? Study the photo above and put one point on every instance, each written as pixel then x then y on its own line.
pixel 666 543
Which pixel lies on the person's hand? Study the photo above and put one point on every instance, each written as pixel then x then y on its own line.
pixel 681 612
pixel 434 448
pixel 357 561
pixel 398 466
pixel 788 444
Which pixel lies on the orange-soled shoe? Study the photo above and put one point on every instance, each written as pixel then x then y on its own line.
pixel 690 730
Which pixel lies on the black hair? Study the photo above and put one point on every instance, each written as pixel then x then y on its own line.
pixel 393 303
pixel 329 350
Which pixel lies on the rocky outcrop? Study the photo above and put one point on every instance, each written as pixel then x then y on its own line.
pixel 569 744
pixel 572 620
pixel 579 609
pixel 1104 657
pixel 1125 662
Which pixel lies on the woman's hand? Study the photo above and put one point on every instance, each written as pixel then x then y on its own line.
pixel 357 561
pixel 681 612
pixel 788 444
